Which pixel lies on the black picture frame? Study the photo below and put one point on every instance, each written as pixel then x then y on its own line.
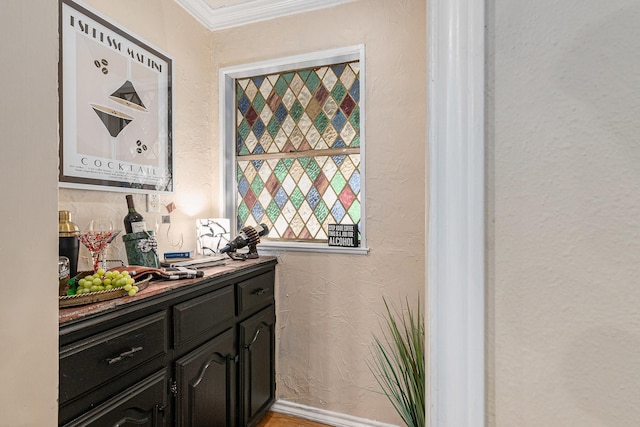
pixel 116 106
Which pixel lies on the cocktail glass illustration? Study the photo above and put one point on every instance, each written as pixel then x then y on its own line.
pixel 115 121
pixel 128 96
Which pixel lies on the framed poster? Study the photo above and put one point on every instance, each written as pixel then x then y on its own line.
pixel 115 106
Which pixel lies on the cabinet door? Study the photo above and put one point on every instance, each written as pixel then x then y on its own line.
pixel 257 339
pixel 141 405
pixel 205 380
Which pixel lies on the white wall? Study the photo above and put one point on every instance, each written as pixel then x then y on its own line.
pixel 28 217
pixel 564 213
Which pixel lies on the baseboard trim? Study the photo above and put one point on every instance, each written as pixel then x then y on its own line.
pixel 323 416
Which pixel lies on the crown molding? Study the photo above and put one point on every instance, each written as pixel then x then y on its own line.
pixel 251 11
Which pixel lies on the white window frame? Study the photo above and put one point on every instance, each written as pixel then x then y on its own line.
pixel 227 79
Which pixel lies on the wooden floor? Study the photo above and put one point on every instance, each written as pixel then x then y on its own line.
pixel 274 419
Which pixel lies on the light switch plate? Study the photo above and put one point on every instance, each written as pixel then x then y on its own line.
pixel 153 203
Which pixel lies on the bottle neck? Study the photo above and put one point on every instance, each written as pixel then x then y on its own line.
pixel 130 204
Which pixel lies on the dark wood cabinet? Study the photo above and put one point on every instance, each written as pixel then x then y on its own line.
pixel 189 354
pixel 205 384
pixel 257 339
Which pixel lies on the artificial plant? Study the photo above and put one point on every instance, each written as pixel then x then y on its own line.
pixel 398 363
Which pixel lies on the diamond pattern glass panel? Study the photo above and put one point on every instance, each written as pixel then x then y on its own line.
pixel 298 151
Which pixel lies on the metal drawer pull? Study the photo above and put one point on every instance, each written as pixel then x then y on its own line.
pixel 255 337
pixel 259 291
pixel 124 355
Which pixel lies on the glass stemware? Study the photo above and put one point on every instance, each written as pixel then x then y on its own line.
pixel 96 238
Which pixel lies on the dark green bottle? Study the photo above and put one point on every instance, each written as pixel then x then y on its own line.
pixel 133 221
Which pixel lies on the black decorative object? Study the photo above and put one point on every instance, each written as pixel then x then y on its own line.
pixel 344 235
pixel 249 237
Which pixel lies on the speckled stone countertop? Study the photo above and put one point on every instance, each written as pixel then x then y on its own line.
pixel 155 287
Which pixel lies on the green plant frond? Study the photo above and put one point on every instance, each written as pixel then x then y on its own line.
pixel 397 363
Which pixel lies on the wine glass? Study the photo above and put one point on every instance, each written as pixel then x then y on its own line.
pixel 96 238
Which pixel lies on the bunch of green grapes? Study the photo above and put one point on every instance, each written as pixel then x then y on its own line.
pixel 105 280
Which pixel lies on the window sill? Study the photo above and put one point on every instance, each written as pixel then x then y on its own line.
pixel 273 248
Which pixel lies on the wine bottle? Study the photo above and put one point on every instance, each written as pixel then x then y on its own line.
pixel 133 221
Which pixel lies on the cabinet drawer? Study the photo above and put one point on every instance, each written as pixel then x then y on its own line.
pixel 255 293
pixel 206 314
pixel 94 361
pixel 143 404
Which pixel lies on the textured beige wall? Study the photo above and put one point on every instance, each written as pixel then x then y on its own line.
pixel 563 208
pixel 28 224
pixel 328 305
pixel 564 213
pixel 170 28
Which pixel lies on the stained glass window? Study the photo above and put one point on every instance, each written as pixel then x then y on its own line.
pixel 298 151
